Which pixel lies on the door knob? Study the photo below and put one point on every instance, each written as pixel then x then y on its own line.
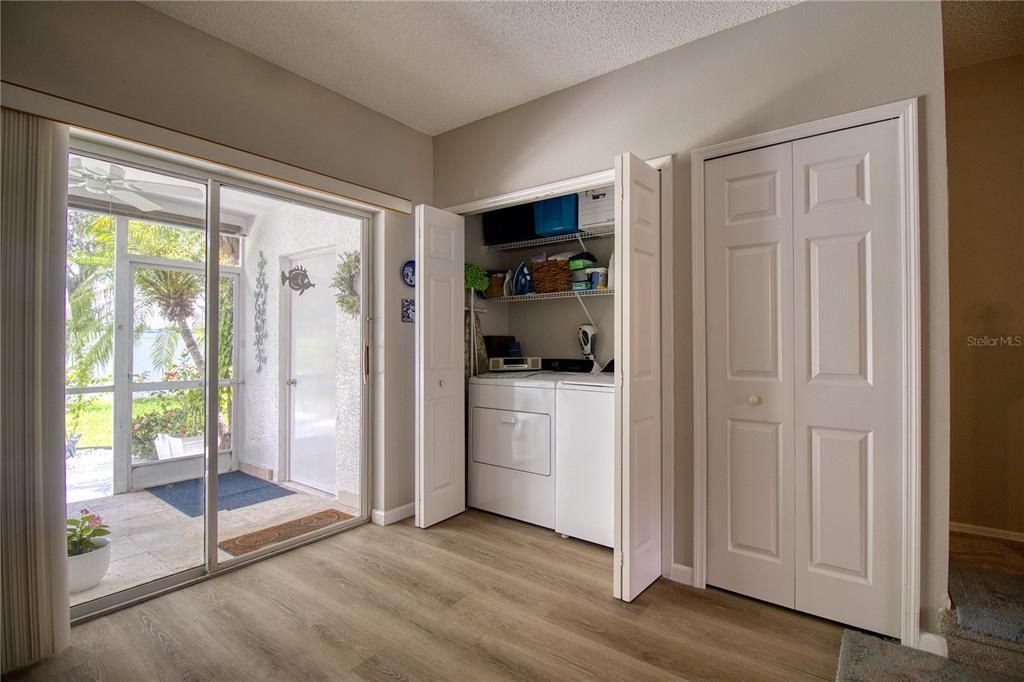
pixel 754 400
pixel 291 382
pixel 441 383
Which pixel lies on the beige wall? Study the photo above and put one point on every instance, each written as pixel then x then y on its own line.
pixel 134 61
pixel 985 136
pixel 806 62
pixel 398 348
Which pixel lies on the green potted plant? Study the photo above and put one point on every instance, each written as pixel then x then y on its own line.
pixel 88 551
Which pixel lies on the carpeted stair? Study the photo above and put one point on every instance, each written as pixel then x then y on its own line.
pixel 865 658
pixel 985 627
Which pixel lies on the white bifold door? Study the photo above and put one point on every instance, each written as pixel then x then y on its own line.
pixel 804 366
pixel 440 357
pixel 440 407
pixel 638 360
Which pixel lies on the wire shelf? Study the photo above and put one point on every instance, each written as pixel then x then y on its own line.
pixel 595 233
pixel 551 296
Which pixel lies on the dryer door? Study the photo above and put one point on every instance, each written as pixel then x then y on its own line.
pixel 513 440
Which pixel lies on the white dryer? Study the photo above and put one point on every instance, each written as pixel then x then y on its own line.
pixel 511 468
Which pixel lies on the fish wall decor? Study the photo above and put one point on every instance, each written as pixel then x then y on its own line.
pixel 297 279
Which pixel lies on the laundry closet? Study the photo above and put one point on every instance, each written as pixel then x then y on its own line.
pixel 540 386
pixel 538 345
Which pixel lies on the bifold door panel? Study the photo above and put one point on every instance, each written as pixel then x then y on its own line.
pixel 748 199
pixel 804 329
pixel 638 336
pixel 440 382
pixel 849 375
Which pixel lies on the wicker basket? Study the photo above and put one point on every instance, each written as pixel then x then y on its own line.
pixel 551 276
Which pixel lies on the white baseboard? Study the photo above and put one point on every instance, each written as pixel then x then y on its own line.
pixel 986 532
pixel 383 517
pixel 349 499
pixel 933 644
pixel 257 470
pixel 681 574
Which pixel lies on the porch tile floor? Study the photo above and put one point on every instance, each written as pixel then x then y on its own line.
pixel 151 539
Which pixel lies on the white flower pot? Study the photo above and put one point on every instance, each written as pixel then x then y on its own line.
pixel 87 570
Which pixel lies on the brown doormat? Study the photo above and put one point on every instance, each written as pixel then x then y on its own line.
pixel 250 542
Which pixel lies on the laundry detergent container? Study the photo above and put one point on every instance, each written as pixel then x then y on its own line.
pixel 559 215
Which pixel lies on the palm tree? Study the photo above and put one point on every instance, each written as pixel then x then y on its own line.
pixel 173 293
pixel 90 296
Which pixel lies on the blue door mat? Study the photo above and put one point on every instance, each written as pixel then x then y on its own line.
pixel 235 489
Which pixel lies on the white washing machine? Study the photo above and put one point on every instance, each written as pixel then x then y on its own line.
pixel 585 458
pixel 511 467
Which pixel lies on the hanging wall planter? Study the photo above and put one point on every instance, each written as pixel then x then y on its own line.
pixel 346 282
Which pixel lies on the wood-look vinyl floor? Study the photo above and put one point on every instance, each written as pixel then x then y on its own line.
pixel 478 597
pixel 993 554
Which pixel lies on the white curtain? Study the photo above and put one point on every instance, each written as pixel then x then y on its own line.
pixel 33 567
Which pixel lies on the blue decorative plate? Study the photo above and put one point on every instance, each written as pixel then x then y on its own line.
pixel 409 273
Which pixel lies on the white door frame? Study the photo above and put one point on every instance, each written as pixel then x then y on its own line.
pixel 602 179
pixel 905 113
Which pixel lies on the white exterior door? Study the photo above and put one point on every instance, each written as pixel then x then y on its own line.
pixel 440 383
pixel 311 378
pixel 638 364
pixel 749 266
pixel 804 367
pixel 847 212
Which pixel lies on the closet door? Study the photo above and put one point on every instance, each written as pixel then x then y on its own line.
pixel 440 390
pixel 638 365
pixel 749 266
pixel 847 203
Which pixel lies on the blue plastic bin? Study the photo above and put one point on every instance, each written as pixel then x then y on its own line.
pixel 560 215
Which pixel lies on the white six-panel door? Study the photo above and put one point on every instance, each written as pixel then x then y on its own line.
pixel 848 375
pixel 440 382
pixel 749 247
pixel 804 368
pixel 638 359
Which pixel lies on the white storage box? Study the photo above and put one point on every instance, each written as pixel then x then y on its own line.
pixel 597 208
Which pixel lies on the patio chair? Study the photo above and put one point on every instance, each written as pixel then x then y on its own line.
pixel 71 445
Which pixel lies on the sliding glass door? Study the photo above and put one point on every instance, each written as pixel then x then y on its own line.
pixel 284 402
pixel 135 322
pixel 301 467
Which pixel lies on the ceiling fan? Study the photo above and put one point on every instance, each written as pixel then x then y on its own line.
pixel 108 179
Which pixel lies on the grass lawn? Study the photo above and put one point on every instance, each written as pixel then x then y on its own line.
pixel 96 422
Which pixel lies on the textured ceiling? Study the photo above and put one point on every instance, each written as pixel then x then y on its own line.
pixel 438 65
pixel 974 32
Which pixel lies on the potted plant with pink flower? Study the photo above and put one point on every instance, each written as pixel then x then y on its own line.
pixel 88 551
